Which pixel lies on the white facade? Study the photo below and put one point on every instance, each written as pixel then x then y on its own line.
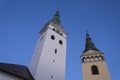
pixel 5 76
pixel 49 59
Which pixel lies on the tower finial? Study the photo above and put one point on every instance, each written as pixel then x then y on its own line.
pixel 56 19
pixel 58 12
pixel 86 31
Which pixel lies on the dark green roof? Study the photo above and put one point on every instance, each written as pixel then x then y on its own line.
pixel 55 22
pixel 89 44
pixel 56 18
pixel 16 70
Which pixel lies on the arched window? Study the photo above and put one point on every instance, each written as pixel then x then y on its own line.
pixel 53 29
pixel 94 70
pixel 52 37
pixel 60 42
pixel 61 34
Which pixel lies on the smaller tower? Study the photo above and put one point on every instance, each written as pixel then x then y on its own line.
pixel 93 62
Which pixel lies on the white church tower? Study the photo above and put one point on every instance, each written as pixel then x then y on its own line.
pixel 49 59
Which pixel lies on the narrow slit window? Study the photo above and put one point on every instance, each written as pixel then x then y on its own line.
pixel 61 34
pixel 55 51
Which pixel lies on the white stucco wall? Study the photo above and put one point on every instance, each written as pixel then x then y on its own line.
pixel 42 66
pixel 37 53
pixel 6 76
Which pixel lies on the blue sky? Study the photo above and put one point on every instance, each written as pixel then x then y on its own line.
pixel 21 21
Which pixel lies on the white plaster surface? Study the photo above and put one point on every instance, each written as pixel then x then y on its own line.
pixel 42 66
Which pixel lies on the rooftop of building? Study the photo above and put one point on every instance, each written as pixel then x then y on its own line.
pixel 16 70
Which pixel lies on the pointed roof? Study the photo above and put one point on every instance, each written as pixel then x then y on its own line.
pixel 89 43
pixel 56 18
pixel 55 22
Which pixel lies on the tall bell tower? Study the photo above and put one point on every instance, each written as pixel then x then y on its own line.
pixel 93 62
pixel 49 58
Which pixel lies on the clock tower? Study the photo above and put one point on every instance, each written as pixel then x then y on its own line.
pixel 93 62
pixel 49 58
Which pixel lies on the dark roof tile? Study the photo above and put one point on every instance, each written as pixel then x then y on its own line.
pixel 16 70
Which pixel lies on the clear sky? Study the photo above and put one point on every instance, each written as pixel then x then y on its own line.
pixel 21 21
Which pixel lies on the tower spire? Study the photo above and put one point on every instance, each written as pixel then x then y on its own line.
pixel 56 18
pixel 54 23
pixel 89 43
